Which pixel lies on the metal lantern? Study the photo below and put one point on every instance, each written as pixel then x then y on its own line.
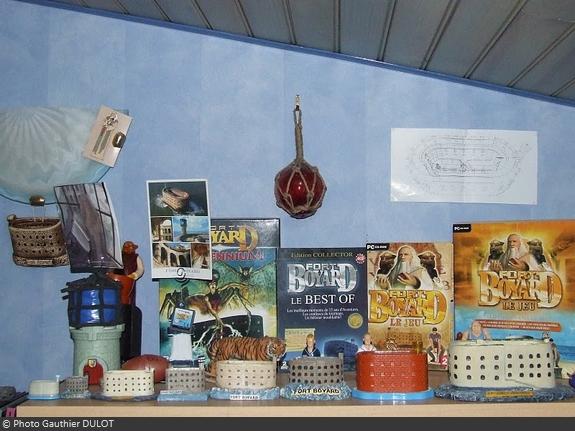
pixel 299 187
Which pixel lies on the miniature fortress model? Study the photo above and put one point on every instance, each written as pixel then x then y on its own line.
pixel 501 364
pixel 128 383
pixel 245 367
pixel 37 241
pixel 316 378
pixel 76 384
pixel 76 387
pixel 397 373
pixel 246 374
pixel 519 370
pixel 184 384
pixel 245 380
pixel 310 370
pixel 391 371
pixel 185 379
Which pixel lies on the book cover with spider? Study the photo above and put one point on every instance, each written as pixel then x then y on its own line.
pixel 239 300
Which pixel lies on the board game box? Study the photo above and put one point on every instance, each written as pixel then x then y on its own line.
pixel 239 300
pixel 322 292
pixel 410 287
pixel 517 279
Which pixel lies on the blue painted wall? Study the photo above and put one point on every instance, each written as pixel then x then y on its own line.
pixel 218 108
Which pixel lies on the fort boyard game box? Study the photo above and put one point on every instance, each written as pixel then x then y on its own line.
pixel 239 300
pixel 410 293
pixel 322 292
pixel 517 279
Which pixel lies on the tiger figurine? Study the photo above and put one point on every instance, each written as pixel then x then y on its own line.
pixel 245 348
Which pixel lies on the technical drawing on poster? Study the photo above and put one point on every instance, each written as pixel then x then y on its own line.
pixel 461 165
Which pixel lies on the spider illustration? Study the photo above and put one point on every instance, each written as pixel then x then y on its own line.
pixel 230 288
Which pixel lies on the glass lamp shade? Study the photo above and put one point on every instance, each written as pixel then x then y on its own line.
pixel 42 147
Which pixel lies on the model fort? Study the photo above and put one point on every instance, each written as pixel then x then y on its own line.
pixel 185 379
pixel 501 364
pixel 75 387
pixel 316 378
pixel 76 384
pixel 507 370
pixel 128 383
pixel 394 371
pixel 313 370
pixel 234 374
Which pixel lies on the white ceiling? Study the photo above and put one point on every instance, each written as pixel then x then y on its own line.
pixel 526 45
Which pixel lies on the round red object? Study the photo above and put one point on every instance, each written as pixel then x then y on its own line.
pixel 299 189
pixel 158 363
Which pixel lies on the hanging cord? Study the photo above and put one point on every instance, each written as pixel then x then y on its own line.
pixel 298 129
pixel 38 201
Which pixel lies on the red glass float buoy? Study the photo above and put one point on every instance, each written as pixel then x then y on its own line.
pixel 299 187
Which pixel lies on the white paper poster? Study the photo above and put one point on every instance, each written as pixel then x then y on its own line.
pixel 461 165
pixel 180 229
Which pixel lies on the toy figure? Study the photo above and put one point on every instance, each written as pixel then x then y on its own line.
pixel 130 343
pixel 94 371
pixel 477 332
pixel 310 349
pixel 435 349
pixel 367 345
pixel 133 265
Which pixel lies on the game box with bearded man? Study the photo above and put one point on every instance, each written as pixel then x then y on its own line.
pixel 516 279
pixel 410 297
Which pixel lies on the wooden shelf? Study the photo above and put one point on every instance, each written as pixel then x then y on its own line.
pixel 433 407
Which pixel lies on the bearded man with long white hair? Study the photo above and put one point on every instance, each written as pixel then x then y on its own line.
pixel 407 272
pixel 517 257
